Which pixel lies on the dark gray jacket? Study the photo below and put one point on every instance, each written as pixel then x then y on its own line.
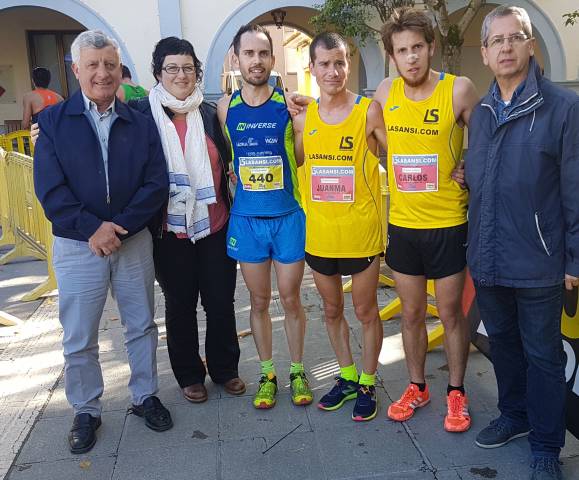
pixel 523 176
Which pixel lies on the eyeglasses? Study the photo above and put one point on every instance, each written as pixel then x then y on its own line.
pixel 514 39
pixel 175 69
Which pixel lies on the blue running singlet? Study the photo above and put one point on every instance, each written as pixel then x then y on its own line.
pixel 262 145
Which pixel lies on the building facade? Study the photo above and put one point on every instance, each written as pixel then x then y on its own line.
pixel 39 32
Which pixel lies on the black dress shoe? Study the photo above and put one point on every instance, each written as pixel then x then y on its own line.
pixel 82 436
pixel 156 416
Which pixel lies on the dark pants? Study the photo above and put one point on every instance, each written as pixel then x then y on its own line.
pixel 184 270
pixel 524 328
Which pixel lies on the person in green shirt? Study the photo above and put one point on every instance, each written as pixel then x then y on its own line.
pixel 128 89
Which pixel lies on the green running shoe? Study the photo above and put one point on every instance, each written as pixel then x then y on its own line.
pixel 266 392
pixel 301 393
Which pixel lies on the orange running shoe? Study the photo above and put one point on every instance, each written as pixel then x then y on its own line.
pixel 457 419
pixel 411 399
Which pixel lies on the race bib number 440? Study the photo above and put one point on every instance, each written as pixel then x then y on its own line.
pixel 333 184
pixel 261 174
pixel 416 173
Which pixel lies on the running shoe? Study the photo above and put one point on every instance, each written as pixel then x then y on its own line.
pixel 341 392
pixel 266 392
pixel 411 399
pixel 366 405
pixel 300 387
pixel 457 419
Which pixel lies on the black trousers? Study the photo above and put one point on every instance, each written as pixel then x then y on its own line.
pixel 184 271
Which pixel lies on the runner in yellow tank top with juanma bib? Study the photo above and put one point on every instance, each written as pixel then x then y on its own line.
pixel 335 137
pixel 424 112
pixel 424 147
pixel 342 178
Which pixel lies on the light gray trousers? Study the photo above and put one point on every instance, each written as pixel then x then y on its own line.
pixel 83 281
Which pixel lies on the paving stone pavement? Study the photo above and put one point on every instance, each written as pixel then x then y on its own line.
pixel 226 438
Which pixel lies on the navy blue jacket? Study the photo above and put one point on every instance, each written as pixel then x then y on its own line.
pixel 523 177
pixel 69 176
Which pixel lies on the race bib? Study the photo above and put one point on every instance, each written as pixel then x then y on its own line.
pixel 261 174
pixel 416 173
pixel 333 184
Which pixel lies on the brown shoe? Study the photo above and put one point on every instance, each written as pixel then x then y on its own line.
pixel 235 386
pixel 196 393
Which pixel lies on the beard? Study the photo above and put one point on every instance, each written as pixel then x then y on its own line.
pixel 418 81
pixel 254 82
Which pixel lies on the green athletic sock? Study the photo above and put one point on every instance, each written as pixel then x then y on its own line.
pixel 296 367
pixel 349 373
pixel 367 379
pixel 267 367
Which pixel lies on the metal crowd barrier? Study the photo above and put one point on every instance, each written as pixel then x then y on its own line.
pixel 23 221
pixel 17 141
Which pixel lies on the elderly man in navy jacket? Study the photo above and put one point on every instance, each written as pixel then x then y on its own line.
pixel 522 168
pixel 100 175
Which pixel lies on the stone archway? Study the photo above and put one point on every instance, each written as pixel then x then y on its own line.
pixel 371 53
pixel 82 14
pixel 548 37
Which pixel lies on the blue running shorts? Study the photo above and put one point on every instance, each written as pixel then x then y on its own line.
pixel 257 239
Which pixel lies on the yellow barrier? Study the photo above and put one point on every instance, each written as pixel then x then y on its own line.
pixel 9 320
pixel 7 237
pixel 25 217
pixel 18 141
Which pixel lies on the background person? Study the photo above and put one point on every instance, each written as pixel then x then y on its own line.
pixel 128 89
pixel 38 99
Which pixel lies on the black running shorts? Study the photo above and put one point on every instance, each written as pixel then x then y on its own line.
pixel 433 253
pixel 343 266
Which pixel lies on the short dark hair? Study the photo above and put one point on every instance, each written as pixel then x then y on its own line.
pixel 41 77
pixel 403 19
pixel 328 41
pixel 174 46
pixel 126 72
pixel 249 28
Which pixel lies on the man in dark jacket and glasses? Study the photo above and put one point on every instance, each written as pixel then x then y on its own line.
pixel 522 168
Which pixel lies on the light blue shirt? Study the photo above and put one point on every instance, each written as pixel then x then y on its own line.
pixel 101 124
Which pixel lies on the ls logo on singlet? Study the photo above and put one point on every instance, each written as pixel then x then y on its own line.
pixel 347 143
pixel 431 116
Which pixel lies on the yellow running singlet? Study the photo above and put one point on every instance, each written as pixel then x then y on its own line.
pixel 343 182
pixel 424 147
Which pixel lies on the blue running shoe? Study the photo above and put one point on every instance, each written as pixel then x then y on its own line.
pixel 340 393
pixel 366 405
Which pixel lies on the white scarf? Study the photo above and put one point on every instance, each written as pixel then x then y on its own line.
pixel 191 186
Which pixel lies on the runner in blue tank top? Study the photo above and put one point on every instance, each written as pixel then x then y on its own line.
pixel 267 223
pixel 263 157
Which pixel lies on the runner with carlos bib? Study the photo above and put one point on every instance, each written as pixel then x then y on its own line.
pixel 425 112
pixel 424 147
